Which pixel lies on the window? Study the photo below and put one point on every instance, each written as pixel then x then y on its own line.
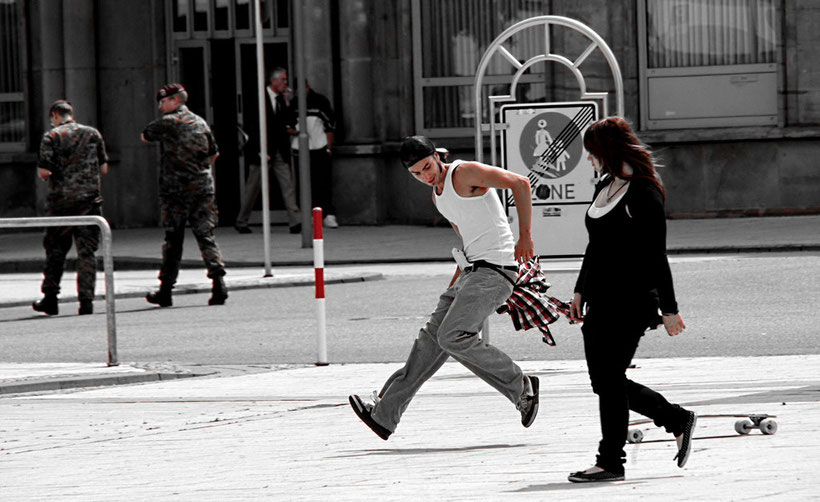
pixel 708 63
pixel 449 39
pixel 12 97
pixel 222 15
pixel 206 19
pixel 179 16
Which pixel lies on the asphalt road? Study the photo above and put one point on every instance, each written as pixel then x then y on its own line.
pixel 742 305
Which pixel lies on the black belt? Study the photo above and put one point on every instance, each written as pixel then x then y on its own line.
pixel 481 263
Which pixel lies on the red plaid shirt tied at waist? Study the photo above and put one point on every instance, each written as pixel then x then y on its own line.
pixel 529 307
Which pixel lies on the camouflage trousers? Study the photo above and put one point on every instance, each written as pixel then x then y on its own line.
pixel 57 242
pixel 199 211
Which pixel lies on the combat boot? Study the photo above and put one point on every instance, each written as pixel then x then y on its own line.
pixel 48 305
pixel 86 307
pixel 219 292
pixel 161 297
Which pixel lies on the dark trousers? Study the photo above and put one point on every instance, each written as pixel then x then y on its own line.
pixel 198 210
pixel 57 242
pixel 321 179
pixel 610 341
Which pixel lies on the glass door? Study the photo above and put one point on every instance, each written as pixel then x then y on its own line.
pixel 192 70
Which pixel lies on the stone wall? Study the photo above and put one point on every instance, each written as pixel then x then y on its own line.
pixel 741 178
pixel 131 67
pixel 107 59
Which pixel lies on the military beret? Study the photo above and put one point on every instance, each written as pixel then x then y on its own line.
pixel 169 90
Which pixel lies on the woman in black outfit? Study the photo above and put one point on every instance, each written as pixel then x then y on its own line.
pixel 624 280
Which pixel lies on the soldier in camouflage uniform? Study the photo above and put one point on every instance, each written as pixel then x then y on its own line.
pixel 72 157
pixel 186 191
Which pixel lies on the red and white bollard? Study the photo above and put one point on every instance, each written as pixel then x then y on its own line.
pixel 319 273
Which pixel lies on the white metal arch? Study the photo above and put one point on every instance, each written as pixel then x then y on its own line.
pixel 496 47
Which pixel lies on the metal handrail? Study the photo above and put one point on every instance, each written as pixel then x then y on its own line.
pixel 108 262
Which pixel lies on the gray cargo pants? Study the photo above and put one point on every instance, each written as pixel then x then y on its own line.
pixel 452 330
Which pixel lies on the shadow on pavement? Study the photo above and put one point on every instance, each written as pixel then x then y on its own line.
pixel 422 451
pixel 552 487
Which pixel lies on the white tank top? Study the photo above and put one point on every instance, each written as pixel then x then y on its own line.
pixel 481 222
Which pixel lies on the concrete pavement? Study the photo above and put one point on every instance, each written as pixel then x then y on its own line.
pixel 288 434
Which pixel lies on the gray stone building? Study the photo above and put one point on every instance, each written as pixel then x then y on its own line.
pixel 726 91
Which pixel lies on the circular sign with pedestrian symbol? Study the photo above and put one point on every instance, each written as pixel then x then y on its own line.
pixel 551 145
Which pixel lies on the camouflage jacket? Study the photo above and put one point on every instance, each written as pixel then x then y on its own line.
pixel 187 143
pixel 74 153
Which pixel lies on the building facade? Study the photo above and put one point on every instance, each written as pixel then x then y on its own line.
pixel 727 92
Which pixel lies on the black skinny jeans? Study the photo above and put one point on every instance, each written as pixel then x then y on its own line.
pixel 610 341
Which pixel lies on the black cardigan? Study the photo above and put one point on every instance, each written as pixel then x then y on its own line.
pixel 625 260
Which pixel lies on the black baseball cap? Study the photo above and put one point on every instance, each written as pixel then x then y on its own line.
pixel 415 148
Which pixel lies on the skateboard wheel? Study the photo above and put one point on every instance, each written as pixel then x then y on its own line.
pixel 768 426
pixel 744 426
pixel 636 436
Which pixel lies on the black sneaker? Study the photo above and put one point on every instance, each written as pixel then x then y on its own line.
pixel 529 404
pixel 363 410
pixel 684 439
pixel 243 229
pixel 592 477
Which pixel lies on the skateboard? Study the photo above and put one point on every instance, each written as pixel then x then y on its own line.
pixel 751 421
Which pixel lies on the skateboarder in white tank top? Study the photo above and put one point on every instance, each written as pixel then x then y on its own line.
pixel 464 193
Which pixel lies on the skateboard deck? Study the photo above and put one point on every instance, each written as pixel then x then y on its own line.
pixel 749 422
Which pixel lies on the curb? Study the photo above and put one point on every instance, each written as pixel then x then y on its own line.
pixel 775 248
pixel 132 263
pixel 125 263
pixel 238 285
pixel 51 384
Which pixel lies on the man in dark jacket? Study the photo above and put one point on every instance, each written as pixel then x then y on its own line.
pixel 186 191
pixel 278 111
pixel 72 157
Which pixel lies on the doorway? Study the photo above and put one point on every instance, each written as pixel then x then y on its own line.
pixel 221 78
pixel 247 117
pixel 210 95
pixel 212 52
pixel 193 58
pixel 224 127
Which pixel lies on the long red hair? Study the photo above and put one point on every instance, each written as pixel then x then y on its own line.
pixel 613 142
